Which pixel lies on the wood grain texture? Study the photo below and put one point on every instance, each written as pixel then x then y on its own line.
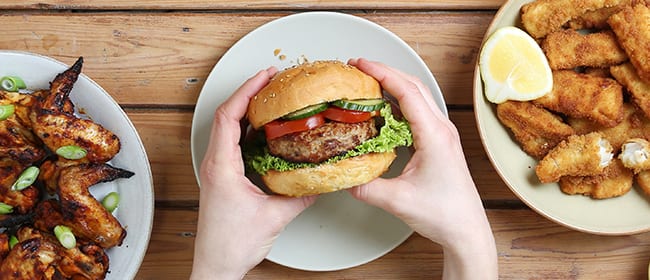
pixel 152 59
pixel 250 5
pixel 530 247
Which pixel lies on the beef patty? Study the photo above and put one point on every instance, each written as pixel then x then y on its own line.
pixel 321 143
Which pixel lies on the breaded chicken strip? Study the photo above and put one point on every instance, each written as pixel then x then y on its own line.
pixel 635 154
pixel 615 180
pixel 536 129
pixel 632 27
pixel 568 49
pixel 542 17
pixel 578 155
pixel 633 125
pixel 639 89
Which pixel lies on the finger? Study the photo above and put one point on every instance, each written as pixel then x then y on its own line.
pixel 422 89
pixel 287 208
pixel 412 102
pixel 381 193
pixel 226 130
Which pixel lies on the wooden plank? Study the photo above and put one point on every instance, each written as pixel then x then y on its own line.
pixel 166 137
pixel 162 59
pixel 249 5
pixel 529 246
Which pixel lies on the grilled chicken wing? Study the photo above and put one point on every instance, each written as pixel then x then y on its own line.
pixel 16 138
pixel 30 259
pixel 54 122
pixel 81 211
pixel 86 261
pixel 23 200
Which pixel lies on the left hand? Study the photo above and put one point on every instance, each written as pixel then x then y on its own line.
pixel 237 221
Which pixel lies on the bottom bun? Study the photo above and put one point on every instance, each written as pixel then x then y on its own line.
pixel 326 178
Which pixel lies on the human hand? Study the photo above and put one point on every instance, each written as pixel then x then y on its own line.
pixel 237 221
pixel 435 194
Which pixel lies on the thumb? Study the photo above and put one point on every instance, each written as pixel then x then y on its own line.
pixel 379 192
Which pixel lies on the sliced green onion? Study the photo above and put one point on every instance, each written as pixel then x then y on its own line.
pixel 110 201
pixel 5 208
pixel 13 240
pixel 12 83
pixel 6 111
pixel 65 236
pixel 71 152
pixel 26 178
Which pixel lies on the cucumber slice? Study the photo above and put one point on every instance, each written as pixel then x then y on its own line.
pixel 306 112
pixel 365 105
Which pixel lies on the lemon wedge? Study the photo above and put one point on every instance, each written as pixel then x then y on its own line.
pixel 514 67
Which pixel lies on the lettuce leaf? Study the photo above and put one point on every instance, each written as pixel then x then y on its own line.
pixel 394 133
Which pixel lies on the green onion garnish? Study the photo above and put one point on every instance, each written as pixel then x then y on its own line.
pixel 13 240
pixel 5 208
pixel 12 83
pixel 65 236
pixel 26 178
pixel 110 201
pixel 71 152
pixel 6 111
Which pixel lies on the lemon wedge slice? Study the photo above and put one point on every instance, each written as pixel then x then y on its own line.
pixel 514 67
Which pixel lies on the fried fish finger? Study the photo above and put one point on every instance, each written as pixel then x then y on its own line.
pixel 542 17
pixel 578 155
pixel 631 26
pixel 597 19
pixel 643 181
pixel 635 154
pixel 615 180
pixel 640 90
pixel 568 49
pixel 536 129
pixel 585 96
pixel 633 125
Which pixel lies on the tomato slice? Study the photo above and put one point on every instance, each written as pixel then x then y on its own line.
pixel 279 128
pixel 347 116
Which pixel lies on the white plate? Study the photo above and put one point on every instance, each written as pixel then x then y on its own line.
pixel 337 232
pixel 628 214
pixel 135 211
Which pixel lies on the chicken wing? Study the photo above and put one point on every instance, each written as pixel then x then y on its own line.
pixel 585 96
pixel 55 124
pixel 81 211
pixel 16 138
pixel 578 155
pixel 633 32
pixel 536 129
pixel 568 49
pixel 22 201
pixel 85 261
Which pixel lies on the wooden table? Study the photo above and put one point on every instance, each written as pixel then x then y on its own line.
pixel 153 57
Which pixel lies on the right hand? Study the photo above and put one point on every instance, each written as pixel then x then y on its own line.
pixel 435 194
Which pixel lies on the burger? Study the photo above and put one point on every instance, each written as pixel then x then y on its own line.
pixel 320 127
